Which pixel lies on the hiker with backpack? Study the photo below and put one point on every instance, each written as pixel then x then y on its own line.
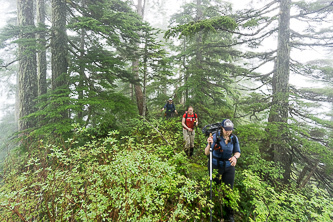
pixel 189 121
pixel 170 109
pixel 225 154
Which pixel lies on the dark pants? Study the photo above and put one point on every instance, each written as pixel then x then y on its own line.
pixel 169 114
pixel 227 176
pixel 189 151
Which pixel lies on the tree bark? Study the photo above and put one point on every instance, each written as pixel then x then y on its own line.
pixel 27 77
pixel 41 52
pixel 145 71
pixel 280 83
pixel 135 67
pixel 82 66
pixel 59 41
pixel 59 50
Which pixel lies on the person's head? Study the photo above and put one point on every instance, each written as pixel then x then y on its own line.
pixel 227 126
pixel 190 110
pixel 170 100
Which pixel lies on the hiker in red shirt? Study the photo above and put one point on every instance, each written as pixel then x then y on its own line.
pixel 189 121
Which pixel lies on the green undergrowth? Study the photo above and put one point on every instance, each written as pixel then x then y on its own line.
pixel 116 178
pixel 142 174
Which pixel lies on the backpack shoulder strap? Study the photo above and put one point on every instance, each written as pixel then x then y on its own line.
pixel 185 118
pixel 215 136
pixel 234 140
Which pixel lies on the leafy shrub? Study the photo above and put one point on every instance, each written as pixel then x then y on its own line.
pixel 103 180
pixel 290 204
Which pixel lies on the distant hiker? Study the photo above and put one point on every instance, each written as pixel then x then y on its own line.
pixel 189 121
pixel 170 109
pixel 226 152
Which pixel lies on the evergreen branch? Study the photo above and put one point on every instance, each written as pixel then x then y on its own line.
pixel 223 23
pixel 313 12
pixel 8 64
pixel 262 55
pixel 257 13
pixel 299 35
pixel 261 64
pixel 265 35
pixel 75 47
pixel 326 180
pixel 328 44
pixel 258 30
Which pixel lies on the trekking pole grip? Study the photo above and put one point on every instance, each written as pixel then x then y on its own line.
pixel 210 144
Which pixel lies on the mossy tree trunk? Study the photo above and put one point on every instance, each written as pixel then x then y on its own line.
pixel 27 77
pixel 280 102
pixel 59 51
pixel 41 48
pixel 135 67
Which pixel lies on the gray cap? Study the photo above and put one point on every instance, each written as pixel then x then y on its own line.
pixel 170 99
pixel 227 125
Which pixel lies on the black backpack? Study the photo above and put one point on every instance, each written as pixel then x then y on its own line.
pixel 170 107
pixel 215 128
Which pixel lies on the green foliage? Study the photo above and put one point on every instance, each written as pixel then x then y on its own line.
pixel 104 179
pixel 205 26
pixel 286 205
pixel 142 174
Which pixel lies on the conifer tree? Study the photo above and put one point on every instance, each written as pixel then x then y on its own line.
pixel 41 47
pixel 288 145
pixel 27 79
pixel 207 74
pixel 140 8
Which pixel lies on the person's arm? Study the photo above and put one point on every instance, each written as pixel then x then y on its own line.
pixel 174 107
pixel 184 125
pixel 209 142
pixel 237 155
pixel 234 158
pixel 164 107
pixel 196 120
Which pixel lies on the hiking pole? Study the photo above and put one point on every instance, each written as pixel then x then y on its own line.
pixel 210 175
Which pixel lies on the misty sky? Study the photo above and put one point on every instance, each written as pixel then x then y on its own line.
pixel 174 7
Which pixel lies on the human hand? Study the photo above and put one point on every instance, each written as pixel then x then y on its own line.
pixel 190 129
pixel 233 160
pixel 210 139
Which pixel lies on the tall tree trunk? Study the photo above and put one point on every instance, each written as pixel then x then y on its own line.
pixel 145 59
pixel 81 73
pixel 59 49
pixel 59 44
pixel 199 57
pixel 27 77
pixel 41 52
pixel 280 83
pixel 186 73
pixel 82 67
pixel 135 67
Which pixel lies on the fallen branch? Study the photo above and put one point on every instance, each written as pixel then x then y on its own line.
pixel 156 130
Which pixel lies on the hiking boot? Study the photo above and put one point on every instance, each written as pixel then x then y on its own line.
pixel 230 218
pixel 191 151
